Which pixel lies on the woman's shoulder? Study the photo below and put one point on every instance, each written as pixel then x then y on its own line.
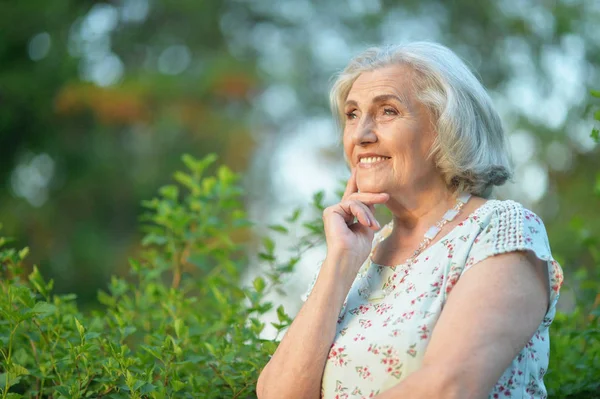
pixel 507 225
pixel 506 212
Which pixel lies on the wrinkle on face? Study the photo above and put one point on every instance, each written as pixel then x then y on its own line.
pixel 406 137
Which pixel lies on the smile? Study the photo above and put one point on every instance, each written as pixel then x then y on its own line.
pixel 372 160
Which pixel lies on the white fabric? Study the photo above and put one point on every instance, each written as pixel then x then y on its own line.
pixel 381 341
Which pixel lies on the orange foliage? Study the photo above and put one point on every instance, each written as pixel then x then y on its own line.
pixel 111 106
pixel 234 85
pixel 239 150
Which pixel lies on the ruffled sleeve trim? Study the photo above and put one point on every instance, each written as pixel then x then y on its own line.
pixel 511 228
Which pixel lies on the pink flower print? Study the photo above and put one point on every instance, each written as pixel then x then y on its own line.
pixel 452 280
pixel 408 315
pixel 359 337
pixel 424 331
pixel 387 321
pixel 418 299
pixel 437 286
pixel 412 351
pixel 450 246
pixel 364 373
pixel 389 358
pixel 362 309
pixel 373 348
pixel 337 355
pixel 381 308
pixel 343 331
pixel 532 216
pixel 395 333
pixel 365 323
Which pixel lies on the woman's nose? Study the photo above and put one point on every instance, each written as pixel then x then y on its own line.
pixel 365 132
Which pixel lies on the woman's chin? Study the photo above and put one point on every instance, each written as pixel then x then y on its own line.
pixel 369 187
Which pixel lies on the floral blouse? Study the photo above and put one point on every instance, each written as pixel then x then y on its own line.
pixel 386 321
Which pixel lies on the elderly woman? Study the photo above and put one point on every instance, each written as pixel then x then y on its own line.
pixel 453 298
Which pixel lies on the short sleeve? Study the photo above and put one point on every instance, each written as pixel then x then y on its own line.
pixel 511 227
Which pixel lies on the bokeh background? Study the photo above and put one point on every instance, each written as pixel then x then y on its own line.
pixel 98 100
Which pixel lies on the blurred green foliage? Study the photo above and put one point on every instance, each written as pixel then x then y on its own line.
pixel 99 99
pixel 574 370
pixel 95 110
pixel 181 326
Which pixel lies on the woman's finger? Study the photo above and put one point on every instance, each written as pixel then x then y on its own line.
pixel 369 198
pixel 351 186
pixel 362 213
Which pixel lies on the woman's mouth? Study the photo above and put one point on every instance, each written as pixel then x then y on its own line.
pixel 369 162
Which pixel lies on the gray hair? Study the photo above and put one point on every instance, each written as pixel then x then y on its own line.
pixel 470 148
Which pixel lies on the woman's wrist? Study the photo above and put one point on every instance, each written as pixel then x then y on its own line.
pixel 342 267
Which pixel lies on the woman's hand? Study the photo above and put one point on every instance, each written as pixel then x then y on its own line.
pixel 345 237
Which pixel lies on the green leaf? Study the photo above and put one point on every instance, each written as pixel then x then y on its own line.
pixel 185 179
pixel 267 257
pixel 154 239
pixel 281 315
pixel 80 328
pixel 595 135
pixel 279 228
pixel 36 279
pixel 295 215
pixel 177 385
pixel 268 244
pixel 595 93
pixel 17 370
pixel 178 325
pixel 151 351
pixel 106 299
pixel 259 284
pixel 23 253
pixel 43 308
pixel 318 200
pixel 170 192
pixel 597 115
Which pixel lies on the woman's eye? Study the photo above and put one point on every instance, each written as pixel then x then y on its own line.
pixel 351 115
pixel 390 111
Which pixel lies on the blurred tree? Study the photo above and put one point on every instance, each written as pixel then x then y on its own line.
pixel 99 99
pixel 98 102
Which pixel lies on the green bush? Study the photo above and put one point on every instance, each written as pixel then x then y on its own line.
pixel 180 327
pixel 574 370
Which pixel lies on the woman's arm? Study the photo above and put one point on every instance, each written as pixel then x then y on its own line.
pixel 492 312
pixel 296 368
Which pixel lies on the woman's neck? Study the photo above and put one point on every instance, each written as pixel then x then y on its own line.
pixel 414 212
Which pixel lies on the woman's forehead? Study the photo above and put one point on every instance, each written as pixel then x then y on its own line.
pixel 392 80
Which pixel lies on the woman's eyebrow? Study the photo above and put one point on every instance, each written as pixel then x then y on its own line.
pixel 387 97
pixel 379 99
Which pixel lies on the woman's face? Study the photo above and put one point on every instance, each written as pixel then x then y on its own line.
pixel 388 132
